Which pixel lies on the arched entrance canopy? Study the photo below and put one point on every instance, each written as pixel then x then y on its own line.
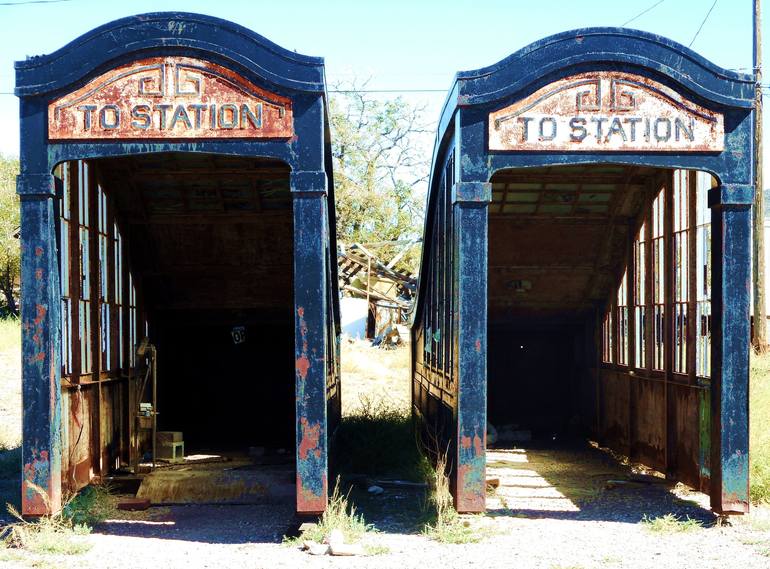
pixel 584 97
pixel 176 83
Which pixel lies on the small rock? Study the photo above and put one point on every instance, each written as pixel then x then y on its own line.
pixel 315 548
pixel 374 489
pixel 346 549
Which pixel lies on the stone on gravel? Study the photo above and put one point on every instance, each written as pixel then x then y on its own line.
pixel 315 548
pixel 346 549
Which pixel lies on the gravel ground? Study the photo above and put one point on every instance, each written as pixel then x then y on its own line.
pixel 553 509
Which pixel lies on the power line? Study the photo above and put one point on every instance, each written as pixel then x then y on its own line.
pixel 345 91
pixel 642 13
pixel 348 91
pixel 32 2
pixel 702 23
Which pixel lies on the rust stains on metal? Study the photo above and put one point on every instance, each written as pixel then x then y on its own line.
pixel 170 97
pixel 311 435
pixel 309 501
pixel 468 498
pixel 606 111
pixel 302 363
pixel 36 481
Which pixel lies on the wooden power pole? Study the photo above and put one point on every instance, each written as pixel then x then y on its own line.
pixel 760 320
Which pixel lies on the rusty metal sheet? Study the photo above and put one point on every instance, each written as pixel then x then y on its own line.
pixel 606 111
pixel 170 98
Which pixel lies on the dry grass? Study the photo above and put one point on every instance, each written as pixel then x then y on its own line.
pixel 339 515
pixel 374 375
pixel 759 416
pixel 10 383
pixel 63 533
pixel 670 524
pixel 445 525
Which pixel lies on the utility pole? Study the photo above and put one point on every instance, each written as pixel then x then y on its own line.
pixel 760 321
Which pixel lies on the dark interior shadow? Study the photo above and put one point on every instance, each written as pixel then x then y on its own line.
pixel 10 482
pixel 225 524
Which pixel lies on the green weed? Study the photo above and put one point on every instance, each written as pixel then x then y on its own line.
pixel 444 524
pixel 339 515
pixel 376 549
pixel 90 506
pixel 670 524
pixel 50 535
pixel 378 439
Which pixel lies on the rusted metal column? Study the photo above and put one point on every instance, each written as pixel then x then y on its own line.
pixel 309 193
pixel 731 238
pixel 40 314
pixel 470 201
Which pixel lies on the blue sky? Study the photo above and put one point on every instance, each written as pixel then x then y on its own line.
pixel 399 44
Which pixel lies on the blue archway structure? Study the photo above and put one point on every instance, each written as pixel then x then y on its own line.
pixel 72 109
pixel 561 106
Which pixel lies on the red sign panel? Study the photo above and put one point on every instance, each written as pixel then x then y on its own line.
pixel 170 97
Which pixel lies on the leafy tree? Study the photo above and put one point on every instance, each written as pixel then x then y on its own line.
pixel 10 263
pixel 380 169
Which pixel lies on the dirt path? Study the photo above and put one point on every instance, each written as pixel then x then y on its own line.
pixel 554 509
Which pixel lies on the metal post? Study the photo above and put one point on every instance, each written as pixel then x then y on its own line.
pixel 470 210
pixel 154 356
pixel 41 337
pixel 758 265
pixel 310 300
pixel 731 238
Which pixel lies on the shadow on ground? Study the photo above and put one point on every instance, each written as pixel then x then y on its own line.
pixel 571 481
pixel 576 481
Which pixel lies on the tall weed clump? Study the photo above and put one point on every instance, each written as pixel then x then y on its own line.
pixel 63 532
pixel 378 440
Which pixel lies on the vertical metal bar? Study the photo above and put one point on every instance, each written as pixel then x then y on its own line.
pixel 692 276
pixel 75 277
pixel 96 325
pixel 309 198
pixel 631 328
pixel 471 201
pixel 731 231
pixel 649 284
pixel 154 356
pixel 669 278
pixel 760 312
pixel 133 455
